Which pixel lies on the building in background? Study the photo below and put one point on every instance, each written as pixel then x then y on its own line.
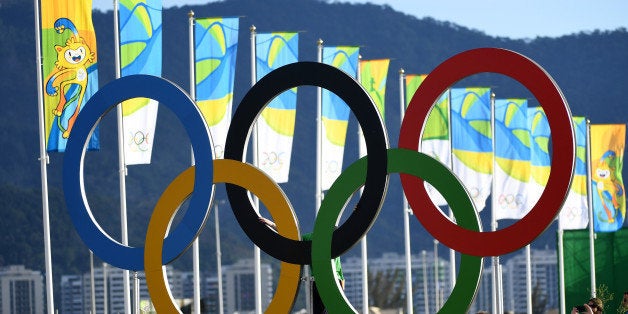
pixel 239 285
pixel 21 290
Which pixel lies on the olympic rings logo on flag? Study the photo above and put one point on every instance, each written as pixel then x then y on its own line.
pixel 371 172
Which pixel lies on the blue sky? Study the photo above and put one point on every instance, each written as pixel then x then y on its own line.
pixel 514 19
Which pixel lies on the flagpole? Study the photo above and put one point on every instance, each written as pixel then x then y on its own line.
pixel 43 163
pixel 561 270
pixel 590 204
pixel 92 284
pixel 495 259
pixel 105 303
pixel 196 273
pixel 426 301
pixel 319 170
pixel 452 252
pixel 406 212
pixel 528 278
pixel 121 162
pixel 218 259
pixel 363 244
pixel 436 277
pixel 256 251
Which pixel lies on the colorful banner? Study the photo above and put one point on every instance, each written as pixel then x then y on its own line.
pixel 335 114
pixel 472 141
pixel 140 53
pixel 540 161
pixel 373 74
pixel 70 72
pixel 607 159
pixel 512 158
pixel 611 258
pixel 215 51
pixel 435 137
pixel 575 212
pixel 276 122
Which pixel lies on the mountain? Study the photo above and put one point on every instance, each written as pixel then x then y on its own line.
pixel 589 67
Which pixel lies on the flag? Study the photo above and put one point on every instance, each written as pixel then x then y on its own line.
pixel 435 137
pixel 140 53
pixel 607 158
pixel 575 212
pixel 373 74
pixel 335 114
pixel 512 158
pixel 540 161
pixel 611 258
pixel 276 122
pixel 471 141
pixel 69 65
pixel 215 51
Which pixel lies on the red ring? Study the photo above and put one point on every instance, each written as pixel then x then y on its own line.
pixel 543 87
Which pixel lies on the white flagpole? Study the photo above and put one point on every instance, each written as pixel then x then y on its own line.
pixel 590 203
pixel 561 270
pixel 426 301
pixel 319 170
pixel 218 259
pixel 363 244
pixel 496 293
pixel 452 252
pixel 436 277
pixel 196 273
pixel 105 293
pixel 406 212
pixel 121 162
pixel 92 284
pixel 43 163
pixel 256 251
pixel 529 278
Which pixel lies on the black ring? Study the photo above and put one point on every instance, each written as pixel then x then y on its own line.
pixel 376 183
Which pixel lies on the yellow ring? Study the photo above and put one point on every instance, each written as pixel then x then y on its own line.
pixel 225 171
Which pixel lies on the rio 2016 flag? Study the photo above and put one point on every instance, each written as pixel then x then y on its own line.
pixel 607 158
pixel 216 47
pixel 335 114
pixel 276 122
pixel 575 214
pixel 140 53
pixel 512 158
pixel 540 161
pixel 69 67
pixel 472 141
pixel 435 137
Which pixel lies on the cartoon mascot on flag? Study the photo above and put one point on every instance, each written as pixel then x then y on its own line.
pixel 69 81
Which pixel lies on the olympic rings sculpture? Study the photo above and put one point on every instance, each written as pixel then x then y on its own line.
pixel 371 172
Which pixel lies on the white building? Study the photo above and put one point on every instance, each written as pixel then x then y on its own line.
pixel 239 286
pixel 21 291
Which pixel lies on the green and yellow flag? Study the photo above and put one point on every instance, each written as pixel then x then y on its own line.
pixel 69 67
pixel 373 74
pixel 607 159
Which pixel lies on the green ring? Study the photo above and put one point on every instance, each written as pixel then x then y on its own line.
pixel 350 180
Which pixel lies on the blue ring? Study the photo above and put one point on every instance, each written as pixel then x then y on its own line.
pixel 181 237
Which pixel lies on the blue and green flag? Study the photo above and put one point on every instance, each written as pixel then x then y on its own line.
pixel 512 158
pixel 215 51
pixel 575 212
pixel 335 114
pixel 472 141
pixel 140 53
pixel 276 122
pixel 540 161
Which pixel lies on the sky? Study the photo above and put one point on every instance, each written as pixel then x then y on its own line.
pixel 514 19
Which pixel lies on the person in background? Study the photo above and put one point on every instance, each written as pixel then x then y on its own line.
pixel 594 306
